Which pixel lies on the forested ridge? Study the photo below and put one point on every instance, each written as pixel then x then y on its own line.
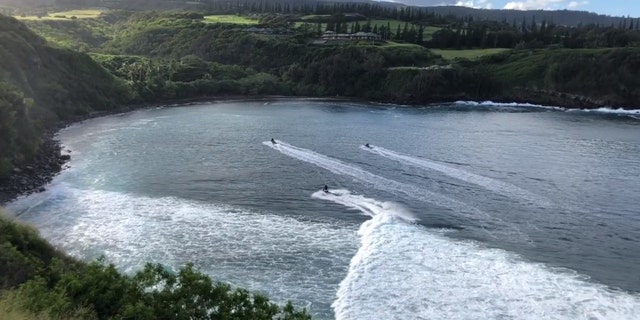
pixel 570 18
pixel 63 68
pixel 42 85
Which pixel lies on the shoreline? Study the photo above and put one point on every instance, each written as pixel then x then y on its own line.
pixel 33 176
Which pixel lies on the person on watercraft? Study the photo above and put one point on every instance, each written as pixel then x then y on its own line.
pixel 273 141
pixel 367 145
pixel 325 189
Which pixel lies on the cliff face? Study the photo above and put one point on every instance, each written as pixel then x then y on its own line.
pixel 570 77
pixel 42 85
pixel 60 81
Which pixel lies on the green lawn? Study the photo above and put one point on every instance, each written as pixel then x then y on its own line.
pixel 393 24
pixel 471 54
pixel 401 44
pixel 230 18
pixel 428 32
pixel 65 15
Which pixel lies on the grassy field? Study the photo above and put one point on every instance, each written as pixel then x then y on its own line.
pixel 429 31
pixel 65 15
pixel 401 44
pixel 471 54
pixel 230 18
pixel 393 24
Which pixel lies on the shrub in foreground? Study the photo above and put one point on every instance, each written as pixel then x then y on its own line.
pixel 153 293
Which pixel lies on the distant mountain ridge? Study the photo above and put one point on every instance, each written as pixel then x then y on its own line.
pixel 571 18
pixel 560 17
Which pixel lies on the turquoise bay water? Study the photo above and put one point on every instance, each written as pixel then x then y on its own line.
pixel 461 211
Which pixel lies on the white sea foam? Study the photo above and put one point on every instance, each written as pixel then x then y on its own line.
pixel 370 207
pixel 404 271
pixel 497 186
pixel 615 111
pixel 490 226
pixel 287 258
pixel 506 104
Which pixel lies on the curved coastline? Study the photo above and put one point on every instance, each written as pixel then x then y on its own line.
pixel 33 176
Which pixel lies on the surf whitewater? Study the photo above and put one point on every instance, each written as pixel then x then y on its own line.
pixel 405 271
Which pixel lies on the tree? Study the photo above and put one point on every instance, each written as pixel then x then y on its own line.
pixel 153 293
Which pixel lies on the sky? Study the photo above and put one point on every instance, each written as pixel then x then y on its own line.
pixel 609 7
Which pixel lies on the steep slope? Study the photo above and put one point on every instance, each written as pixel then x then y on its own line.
pixel 573 77
pixel 41 85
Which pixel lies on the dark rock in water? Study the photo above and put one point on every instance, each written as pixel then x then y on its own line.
pixel 31 176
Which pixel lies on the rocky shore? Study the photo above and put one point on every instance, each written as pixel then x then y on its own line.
pixel 32 176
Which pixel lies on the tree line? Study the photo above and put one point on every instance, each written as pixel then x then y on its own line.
pixel 469 33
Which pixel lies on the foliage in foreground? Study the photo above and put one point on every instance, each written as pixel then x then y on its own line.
pixel 154 293
pixel 43 283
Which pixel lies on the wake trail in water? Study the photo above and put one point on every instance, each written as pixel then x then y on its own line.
pixel 404 271
pixel 378 182
pixel 494 185
pixel 370 207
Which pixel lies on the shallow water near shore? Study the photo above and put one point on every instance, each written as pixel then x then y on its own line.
pixel 459 211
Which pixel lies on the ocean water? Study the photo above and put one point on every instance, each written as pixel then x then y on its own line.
pixel 457 211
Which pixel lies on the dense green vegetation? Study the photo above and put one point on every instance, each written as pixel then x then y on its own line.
pixel 37 280
pixel 67 68
pixel 42 85
pixel 599 76
pixel 471 54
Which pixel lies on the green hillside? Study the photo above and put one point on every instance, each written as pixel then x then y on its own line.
pixel 586 76
pixel 42 85
pixel 39 282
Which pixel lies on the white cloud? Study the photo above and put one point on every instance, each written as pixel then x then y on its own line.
pixel 544 4
pixel 484 4
pixel 575 4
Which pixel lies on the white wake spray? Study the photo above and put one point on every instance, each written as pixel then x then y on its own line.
pixel 499 187
pixel 370 207
pixel 378 182
pixel 506 104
